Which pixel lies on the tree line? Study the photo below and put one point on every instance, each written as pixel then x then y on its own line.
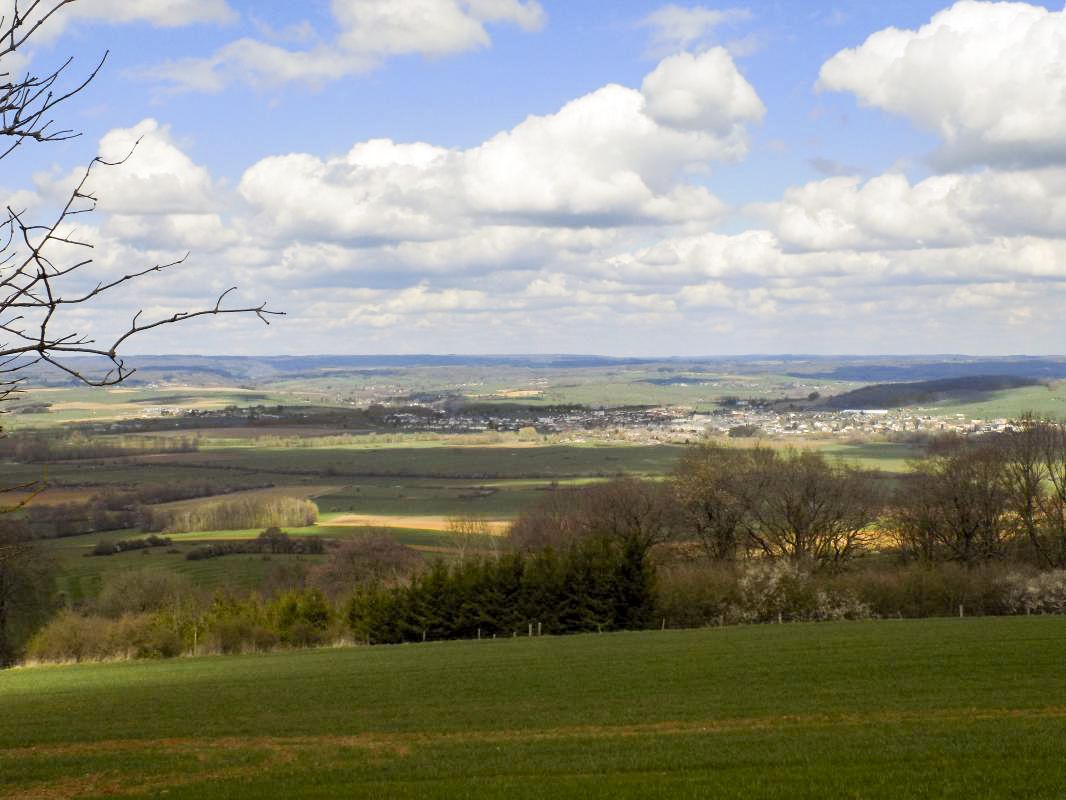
pixel 116 509
pixel 970 500
pixel 49 446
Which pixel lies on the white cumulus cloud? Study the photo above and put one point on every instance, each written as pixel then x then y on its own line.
pixel 989 78
pixel 704 92
pixel 602 160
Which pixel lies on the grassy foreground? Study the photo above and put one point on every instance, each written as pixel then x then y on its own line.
pixel 933 708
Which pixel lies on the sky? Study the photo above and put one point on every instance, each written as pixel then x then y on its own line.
pixel 588 176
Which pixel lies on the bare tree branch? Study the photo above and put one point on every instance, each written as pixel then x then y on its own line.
pixel 41 273
pixel 27 102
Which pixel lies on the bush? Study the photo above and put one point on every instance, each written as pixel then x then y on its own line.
pixel 302 618
pixel 239 636
pixel 708 593
pixel 771 590
pixel 270 541
pixel 73 637
pixel 1040 594
pixel 70 637
pixel 142 591
pixel 697 594
pixel 930 591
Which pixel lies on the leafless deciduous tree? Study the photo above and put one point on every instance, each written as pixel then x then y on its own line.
pixel 1035 481
pixel 45 265
pixel 471 536
pixel 955 507
pixel 624 510
pixel 791 504
pixel 710 485
pixel 808 509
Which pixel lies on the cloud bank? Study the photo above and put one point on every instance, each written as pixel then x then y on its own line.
pixel 598 227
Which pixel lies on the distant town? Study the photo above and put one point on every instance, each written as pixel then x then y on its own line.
pixel 577 424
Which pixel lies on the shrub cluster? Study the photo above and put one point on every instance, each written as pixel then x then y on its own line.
pixel 150 614
pixel 1044 593
pixel 703 594
pixel 271 540
pixel 700 593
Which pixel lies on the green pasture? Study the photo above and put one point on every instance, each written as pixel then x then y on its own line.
pixel 1049 401
pixel 885 456
pixel 247 466
pixel 940 708
pixel 124 473
pixel 441 460
pixel 81 575
pixel 436 497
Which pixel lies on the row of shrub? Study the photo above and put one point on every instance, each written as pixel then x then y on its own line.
pixel 148 614
pixel 697 594
pixel 46 446
pixel 106 548
pixel 229 625
pixel 272 540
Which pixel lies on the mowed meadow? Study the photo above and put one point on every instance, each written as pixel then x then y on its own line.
pixel 972 708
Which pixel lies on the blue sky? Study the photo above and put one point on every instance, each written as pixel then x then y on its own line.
pixel 627 178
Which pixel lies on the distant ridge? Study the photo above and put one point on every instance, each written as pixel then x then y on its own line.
pixel 236 370
pixel 876 369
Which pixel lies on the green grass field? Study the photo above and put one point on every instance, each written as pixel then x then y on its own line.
pixel 971 708
pixel 82 576
pixel 1041 400
pixel 251 466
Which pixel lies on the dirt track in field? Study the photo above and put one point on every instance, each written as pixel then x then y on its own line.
pixel 271 753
